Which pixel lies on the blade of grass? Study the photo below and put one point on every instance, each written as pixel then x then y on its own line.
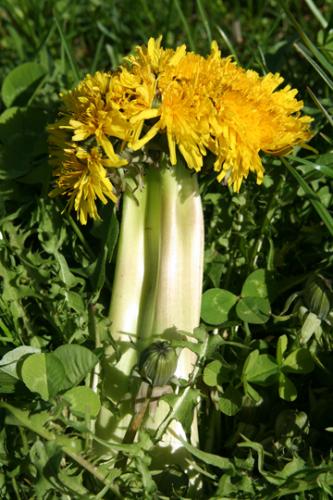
pixel 186 25
pixel 168 18
pixel 320 106
pixel 314 199
pixel 301 50
pixel 316 12
pixel 68 52
pixel 323 169
pixel 307 42
pixel 228 43
pixel 204 21
pixel 97 54
pixel 147 11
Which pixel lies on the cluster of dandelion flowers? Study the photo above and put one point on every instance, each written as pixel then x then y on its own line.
pixel 198 104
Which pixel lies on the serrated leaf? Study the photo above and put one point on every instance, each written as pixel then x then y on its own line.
pixel 22 79
pixel 254 310
pixel 184 413
pixel 208 458
pixel 76 302
pixel 66 276
pixel 216 305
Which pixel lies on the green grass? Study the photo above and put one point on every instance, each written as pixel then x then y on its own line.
pixel 266 380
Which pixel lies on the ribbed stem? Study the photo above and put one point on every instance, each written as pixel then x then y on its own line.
pixel 152 250
pixel 124 313
pixel 179 281
pixel 157 287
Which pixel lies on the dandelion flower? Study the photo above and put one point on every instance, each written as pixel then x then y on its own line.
pixel 201 105
pixel 82 177
pixel 184 110
pixel 252 116
pixel 87 112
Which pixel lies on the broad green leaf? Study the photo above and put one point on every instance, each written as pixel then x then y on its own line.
pixel 211 373
pixel 255 284
pixel 44 374
pixel 250 363
pixel 8 384
pixel 254 310
pixel 214 343
pixel 299 361
pixel 8 362
pixel 230 401
pixel 262 369
pixel 287 389
pixel 311 324
pixel 252 393
pixel 8 114
pixel 216 305
pixel 23 134
pixel 83 401
pixel 22 79
pixel 77 361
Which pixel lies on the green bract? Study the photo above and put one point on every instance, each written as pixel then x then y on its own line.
pixel 157 363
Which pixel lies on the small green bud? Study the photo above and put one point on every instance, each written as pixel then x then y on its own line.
pixel 317 296
pixel 158 363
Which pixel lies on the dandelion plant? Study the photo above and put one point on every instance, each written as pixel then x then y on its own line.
pixel 141 135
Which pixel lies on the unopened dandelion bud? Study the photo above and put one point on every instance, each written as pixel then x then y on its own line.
pixel 158 363
pixel 318 296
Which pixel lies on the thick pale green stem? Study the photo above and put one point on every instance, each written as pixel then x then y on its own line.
pixel 124 314
pixel 179 281
pixel 152 254
pixel 157 287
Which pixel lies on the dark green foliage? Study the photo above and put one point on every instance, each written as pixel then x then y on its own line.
pixel 265 369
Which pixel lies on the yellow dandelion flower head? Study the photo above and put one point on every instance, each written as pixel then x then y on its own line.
pixel 182 108
pixel 82 177
pixel 252 116
pixel 201 105
pixel 81 150
pixel 212 104
pixel 88 113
